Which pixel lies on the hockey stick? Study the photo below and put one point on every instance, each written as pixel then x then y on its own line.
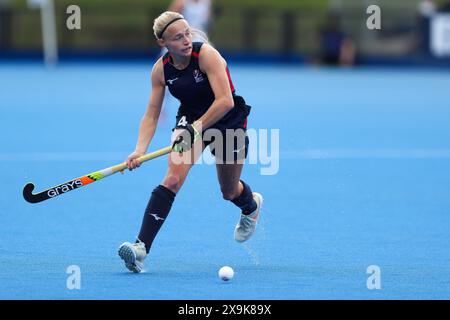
pixel 84 180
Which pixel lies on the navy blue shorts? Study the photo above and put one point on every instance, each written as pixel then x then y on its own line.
pixel 227 138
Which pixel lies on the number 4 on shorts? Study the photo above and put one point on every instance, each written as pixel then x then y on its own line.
pixel 183 122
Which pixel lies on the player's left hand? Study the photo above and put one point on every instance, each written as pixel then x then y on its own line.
pixel 184 137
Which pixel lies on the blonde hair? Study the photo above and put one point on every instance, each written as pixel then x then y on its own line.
pixel 165 18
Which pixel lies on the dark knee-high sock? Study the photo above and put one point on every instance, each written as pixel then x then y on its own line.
pixel 158 208
pixel 245 201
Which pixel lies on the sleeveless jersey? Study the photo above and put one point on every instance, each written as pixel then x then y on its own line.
pixel 190 85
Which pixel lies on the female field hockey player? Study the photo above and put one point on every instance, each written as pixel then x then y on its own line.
pixel 197 75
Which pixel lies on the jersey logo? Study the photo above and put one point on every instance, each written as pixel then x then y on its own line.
pixel 171 81
pixel 198 76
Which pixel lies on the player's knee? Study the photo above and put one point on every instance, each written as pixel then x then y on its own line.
pixel 172 182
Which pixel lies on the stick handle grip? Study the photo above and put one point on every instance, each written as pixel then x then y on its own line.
pixel 142 159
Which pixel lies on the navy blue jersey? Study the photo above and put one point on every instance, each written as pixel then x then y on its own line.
pixel 190 85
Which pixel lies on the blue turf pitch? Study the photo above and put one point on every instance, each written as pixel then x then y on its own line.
pixel 364 179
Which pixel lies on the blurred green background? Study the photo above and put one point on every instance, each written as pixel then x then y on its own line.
pixel 257 26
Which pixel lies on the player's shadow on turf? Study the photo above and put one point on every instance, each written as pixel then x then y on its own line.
pixel 160 274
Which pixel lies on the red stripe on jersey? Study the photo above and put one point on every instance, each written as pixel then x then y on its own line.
pixel 197 54
pixel 229 80
pixel 166 60
pixel 245 124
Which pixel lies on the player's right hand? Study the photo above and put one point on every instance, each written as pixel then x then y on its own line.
pixel 132 161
